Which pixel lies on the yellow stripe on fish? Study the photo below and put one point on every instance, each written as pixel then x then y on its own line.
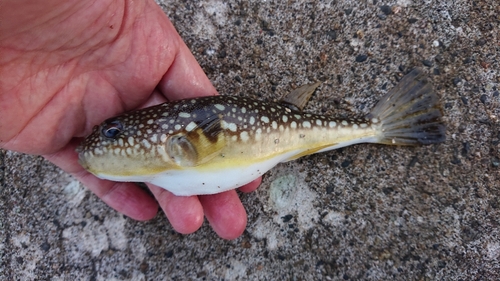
pixel 212 144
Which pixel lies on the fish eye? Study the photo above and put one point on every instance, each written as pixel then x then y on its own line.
pixel 112 129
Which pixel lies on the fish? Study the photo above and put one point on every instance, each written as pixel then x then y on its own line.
pixel 212 144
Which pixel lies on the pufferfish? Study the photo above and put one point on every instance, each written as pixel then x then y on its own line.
pixel 212 144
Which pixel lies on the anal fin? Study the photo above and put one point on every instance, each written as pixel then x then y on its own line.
pixel 308 152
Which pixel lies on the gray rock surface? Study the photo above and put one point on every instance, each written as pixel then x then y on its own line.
pixel 364 212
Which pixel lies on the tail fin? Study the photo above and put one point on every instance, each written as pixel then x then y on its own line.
pixel 409 114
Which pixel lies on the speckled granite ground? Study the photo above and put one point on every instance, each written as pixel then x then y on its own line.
pixel 364 212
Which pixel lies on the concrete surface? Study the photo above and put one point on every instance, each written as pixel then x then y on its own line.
pixel 364 212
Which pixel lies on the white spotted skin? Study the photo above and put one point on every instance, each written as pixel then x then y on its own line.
pixel 252 136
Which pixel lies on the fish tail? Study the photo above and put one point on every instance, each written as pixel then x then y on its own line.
pixel 409 114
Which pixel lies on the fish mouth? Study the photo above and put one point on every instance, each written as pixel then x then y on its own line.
pixel 81 159
pixel 79 149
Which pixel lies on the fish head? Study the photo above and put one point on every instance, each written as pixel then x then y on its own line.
pixel 140 144
pixel 128 147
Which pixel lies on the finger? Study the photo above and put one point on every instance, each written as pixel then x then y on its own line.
pixel 126 198
pixel 185 213
pixel 185 78
pixel 155 98
pixel 251 186
pixel 225 213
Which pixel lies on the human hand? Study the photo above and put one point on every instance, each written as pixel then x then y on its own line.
pixel 68 65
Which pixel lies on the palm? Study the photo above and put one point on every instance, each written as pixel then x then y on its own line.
pixel 101 71
pixel 96 64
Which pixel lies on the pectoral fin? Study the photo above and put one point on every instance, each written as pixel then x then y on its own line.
pixel 199 145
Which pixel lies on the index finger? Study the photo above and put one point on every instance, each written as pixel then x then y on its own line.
pixel 125 197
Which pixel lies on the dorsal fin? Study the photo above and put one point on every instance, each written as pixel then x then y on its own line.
pixel 198 145
pixel 298 98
